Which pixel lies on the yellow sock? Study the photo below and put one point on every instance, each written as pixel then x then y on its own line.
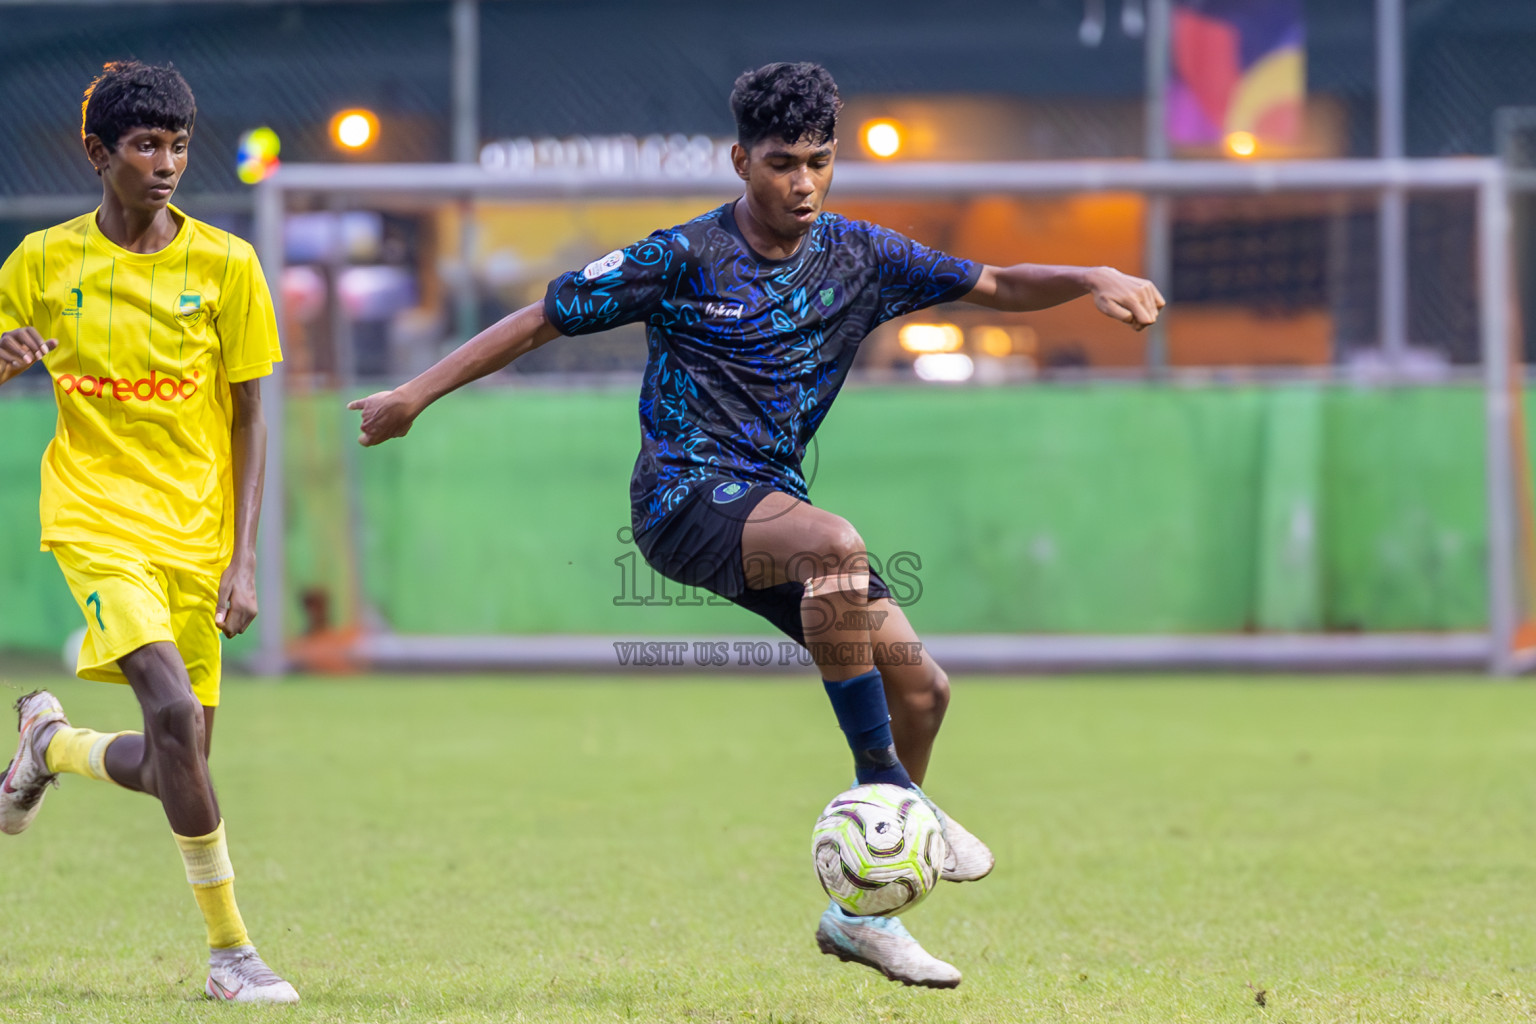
pixel 212 878
pixel 80 752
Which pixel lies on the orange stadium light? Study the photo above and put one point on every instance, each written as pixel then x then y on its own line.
pixel 882 138
pixel 1242 144
pixel 922 339
pixel 994 341
pixel 355 129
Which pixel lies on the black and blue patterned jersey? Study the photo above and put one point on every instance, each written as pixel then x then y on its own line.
pixel 745 354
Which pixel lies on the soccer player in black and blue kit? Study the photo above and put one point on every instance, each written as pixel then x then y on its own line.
pixel 754 312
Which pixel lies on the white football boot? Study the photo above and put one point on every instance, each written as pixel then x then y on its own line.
pixel 884 944
pixel 238 975
pixel 27 776
pixel 968 858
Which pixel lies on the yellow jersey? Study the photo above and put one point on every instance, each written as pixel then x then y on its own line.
pixel 148 344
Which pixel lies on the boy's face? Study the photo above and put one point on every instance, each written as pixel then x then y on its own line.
pixel 787 183
pixel 145 168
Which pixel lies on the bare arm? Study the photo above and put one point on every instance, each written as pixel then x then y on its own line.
pixel 21 348
pixel 388 414
pixel 248 445
pixel 1028 286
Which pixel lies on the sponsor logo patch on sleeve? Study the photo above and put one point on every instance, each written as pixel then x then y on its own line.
pixel 597 268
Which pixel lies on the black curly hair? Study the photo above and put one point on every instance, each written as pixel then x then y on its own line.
pixel 128 95
pixel 787 101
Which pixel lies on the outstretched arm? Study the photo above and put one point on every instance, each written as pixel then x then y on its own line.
pixel 1029 286
pixel 390 414
pixel 21 348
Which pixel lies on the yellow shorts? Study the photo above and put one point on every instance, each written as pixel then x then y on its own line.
pixel 129 602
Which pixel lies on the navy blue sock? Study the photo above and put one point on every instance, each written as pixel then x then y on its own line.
pixel 866 721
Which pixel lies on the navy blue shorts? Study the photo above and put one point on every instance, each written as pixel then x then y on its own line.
pixel 699 544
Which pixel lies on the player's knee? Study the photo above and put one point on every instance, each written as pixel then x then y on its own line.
pixel 176 727
pixel 841 545
pixel 834 559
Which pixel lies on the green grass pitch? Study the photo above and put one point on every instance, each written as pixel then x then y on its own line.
pixel 634 849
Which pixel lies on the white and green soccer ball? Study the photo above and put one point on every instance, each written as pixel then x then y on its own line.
pixel 877 849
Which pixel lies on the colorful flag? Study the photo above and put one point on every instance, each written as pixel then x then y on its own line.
pixel 1237 66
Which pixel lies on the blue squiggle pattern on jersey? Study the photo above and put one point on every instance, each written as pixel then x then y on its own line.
pixel 746 354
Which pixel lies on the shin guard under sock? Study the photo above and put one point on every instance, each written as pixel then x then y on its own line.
pixel 212 878
pixel 866 721
pixel 80 752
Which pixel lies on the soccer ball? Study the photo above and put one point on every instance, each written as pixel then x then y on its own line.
pixel 877 849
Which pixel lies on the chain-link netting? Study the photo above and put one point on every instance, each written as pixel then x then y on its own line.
pixel 1067 78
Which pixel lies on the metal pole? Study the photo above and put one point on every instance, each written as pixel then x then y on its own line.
pixel 466 81
pixel 369 182
pixel 466 150
pixel 271 658
pixel 1493 310
pixel 1159 215
pixel 466 302
pixel 1392 214
pixel 337 260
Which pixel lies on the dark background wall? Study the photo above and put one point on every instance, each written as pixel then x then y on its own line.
pixel 596 66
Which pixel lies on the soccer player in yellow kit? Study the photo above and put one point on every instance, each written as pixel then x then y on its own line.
pixel 156 329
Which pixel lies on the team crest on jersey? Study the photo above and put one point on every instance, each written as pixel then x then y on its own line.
pixel 78 300
pixel 189 307
pixel 597 268
pixel 728 492
pixel 829 298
